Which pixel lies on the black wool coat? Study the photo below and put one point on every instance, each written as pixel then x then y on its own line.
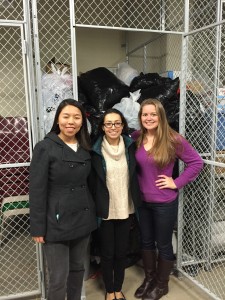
pixel 61 206
pixel 97 180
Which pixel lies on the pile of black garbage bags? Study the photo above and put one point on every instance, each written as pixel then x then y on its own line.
pixel 100 89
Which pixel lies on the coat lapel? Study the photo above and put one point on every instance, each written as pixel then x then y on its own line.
pixel 80 156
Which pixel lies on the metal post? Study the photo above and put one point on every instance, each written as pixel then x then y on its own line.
pixel 73 48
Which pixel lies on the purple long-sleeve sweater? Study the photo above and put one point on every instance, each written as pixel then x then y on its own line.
pixel 148 172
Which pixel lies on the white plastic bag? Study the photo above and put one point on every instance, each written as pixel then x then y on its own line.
pixel 126 73
pixel 56 87
pixel 130 108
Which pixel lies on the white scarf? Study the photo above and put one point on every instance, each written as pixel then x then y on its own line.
pixel 115 152
pixel 117 180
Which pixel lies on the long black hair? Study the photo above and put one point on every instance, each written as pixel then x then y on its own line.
pixel 112 111
pixel 82 135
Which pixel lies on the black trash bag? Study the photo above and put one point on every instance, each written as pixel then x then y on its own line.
pixel 103 88
pixel 144 81
pixel 82 97
pixel 94 119
pixel 172 108
pixel 163 92
pixel 90 109
pixel 165 80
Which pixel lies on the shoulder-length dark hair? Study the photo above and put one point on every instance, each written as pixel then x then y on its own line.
pixel 82 135
pixel 112 111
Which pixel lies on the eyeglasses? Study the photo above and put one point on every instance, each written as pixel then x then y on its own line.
pixel 110 125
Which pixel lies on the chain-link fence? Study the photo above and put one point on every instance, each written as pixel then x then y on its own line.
pixel 160 54
pixel 202 13
pixel 18 255
pixel 18 261
pixel 143 15
pixel 11 10
pixel 201 254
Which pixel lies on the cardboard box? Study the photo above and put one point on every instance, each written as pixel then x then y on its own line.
pixel 220 158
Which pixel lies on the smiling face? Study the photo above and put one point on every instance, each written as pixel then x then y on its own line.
pixel 70 122
pixel 149 117
pixel 113 128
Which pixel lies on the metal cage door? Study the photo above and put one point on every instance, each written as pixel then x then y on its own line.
pixel 20 258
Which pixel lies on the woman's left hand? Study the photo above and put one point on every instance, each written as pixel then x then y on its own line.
pixel 165 182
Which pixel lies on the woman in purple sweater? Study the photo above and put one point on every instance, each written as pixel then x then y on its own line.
pixel 158 147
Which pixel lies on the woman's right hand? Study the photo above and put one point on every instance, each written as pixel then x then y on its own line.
pixel 38 239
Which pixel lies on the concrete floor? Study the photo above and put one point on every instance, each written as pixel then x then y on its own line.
pixel 179 289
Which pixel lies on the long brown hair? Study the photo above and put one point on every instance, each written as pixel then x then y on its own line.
pixel 166 139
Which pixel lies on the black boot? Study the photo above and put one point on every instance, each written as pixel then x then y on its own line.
pixel 161 288
pixel 74 285
pixel 149 262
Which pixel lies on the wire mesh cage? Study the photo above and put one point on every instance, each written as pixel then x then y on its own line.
pixel 54 34
pixel 202 13
pixel 11 10
pixel 154 15
pixel 11 74
pixel 202 212
pixel 18 259
pixel 18 252
pixel 160 53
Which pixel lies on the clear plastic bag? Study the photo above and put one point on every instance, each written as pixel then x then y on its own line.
pixel 56 87
pixel 130 108
pixel 126 73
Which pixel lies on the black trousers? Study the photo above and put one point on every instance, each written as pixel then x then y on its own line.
pixel 114 236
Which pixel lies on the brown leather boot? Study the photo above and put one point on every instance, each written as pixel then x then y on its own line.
pixel 149 262
pixel 161 288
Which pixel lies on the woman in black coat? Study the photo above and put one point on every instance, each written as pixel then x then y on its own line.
pixel 62 212
pixel 115 189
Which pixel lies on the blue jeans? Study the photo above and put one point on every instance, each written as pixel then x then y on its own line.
pixel 65 262
pixel 157 221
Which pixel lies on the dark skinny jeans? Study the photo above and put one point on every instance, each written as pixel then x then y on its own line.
pixel 157 222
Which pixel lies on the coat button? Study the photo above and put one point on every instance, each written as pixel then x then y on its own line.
pixel 86 208
pixel 71 166
pixel 84 164
pixel 72 189
pixel 83 186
